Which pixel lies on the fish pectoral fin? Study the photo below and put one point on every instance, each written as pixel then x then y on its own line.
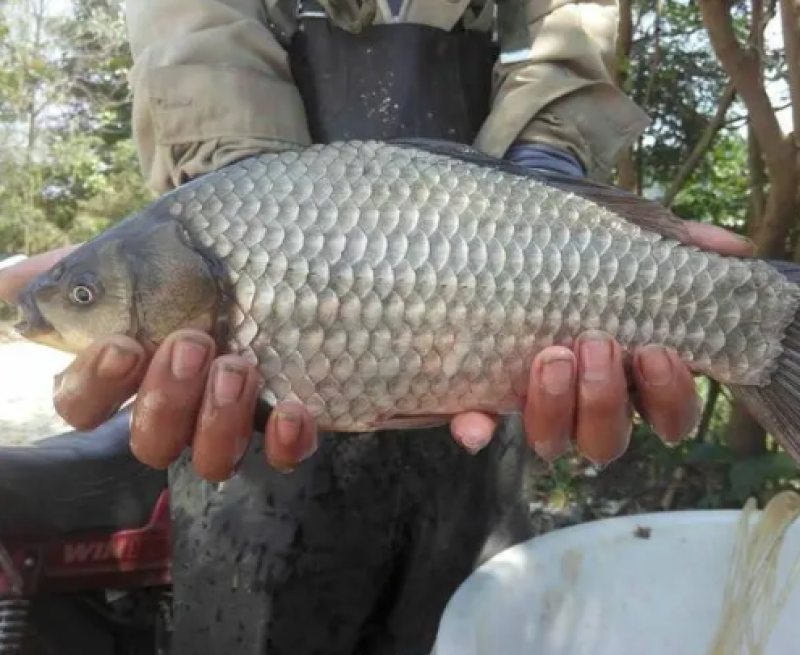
pixel 642 212
pixel 412 421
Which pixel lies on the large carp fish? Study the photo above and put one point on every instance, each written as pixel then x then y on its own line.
pixel 387 284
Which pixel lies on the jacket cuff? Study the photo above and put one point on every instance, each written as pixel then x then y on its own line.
pixel 546 158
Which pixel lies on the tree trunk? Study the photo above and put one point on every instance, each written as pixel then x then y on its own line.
pixel 37 16
pixel 790 20
pixel 758 182
pixel 626 166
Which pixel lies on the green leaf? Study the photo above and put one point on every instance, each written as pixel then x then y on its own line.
pixel 704 453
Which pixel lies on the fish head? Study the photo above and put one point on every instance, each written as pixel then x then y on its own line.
pixel 144 278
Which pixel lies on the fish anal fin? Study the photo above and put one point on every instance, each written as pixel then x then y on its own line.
pixel 411 421
pixel 645 213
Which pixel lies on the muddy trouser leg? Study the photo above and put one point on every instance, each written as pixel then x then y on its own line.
pixel 354 553
pixel 460 511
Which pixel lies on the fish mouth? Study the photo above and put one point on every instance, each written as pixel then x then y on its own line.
pixel 31 323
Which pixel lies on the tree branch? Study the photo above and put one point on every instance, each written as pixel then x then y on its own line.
pixel 624 36
pixel 756 29
pixel 758 182
pixel 626 170
pixel 743 68
pixel 702 146
pixel 790 19
pixel 656 61
pixel 708 411
pixel 738 120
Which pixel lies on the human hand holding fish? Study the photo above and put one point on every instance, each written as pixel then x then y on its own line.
pixel 593 406
pixel 102 377
pixel 558 405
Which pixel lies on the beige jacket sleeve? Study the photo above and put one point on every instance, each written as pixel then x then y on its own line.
pixel 553 84
pixel 210 84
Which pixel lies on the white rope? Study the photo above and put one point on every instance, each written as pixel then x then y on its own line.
pixel 752 603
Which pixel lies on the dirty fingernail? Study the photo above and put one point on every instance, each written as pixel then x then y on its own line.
pixel 312 448
pixel 746 240
pixel 557 375
pixel 288 423
pixel 228 384
pixel 656 366
pixel 692 418
pixel 552 450
pixel 242 445
pixel 116 362
pixel 188 358
pixel 624 443
pixel 596 349
pixel 113 411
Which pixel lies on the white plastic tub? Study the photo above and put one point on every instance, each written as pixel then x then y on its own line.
pixel 603 589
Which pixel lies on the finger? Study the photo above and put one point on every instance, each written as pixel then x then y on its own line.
pixel 603 425
pixel 718 239
pixel 169 400
pixel 225 425
pixel 99 381
pixel 14 278
pixel 549 413
pixel 669 400
pixel 473 430
pixel 291 436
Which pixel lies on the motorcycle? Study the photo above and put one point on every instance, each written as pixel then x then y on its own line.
pixel 85 551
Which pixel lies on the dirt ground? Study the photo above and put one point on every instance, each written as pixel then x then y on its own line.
pixel 26 381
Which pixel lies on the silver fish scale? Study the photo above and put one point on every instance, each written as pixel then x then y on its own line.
pixel 373 280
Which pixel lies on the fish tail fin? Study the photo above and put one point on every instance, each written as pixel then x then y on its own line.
pixel 776 405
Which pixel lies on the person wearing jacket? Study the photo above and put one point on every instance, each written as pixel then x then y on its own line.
pixel 358 550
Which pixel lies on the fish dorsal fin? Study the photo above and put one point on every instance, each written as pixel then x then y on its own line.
pixel 646 214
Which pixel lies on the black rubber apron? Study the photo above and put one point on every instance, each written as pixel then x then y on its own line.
pixel 359 549
pixel 392 80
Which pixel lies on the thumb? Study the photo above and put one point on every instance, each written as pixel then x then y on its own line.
pixel 720 240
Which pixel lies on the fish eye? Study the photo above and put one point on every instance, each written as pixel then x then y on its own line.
pixel 84 291
pixel 82 295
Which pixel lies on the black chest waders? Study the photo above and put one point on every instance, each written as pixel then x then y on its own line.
pixel 392 80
